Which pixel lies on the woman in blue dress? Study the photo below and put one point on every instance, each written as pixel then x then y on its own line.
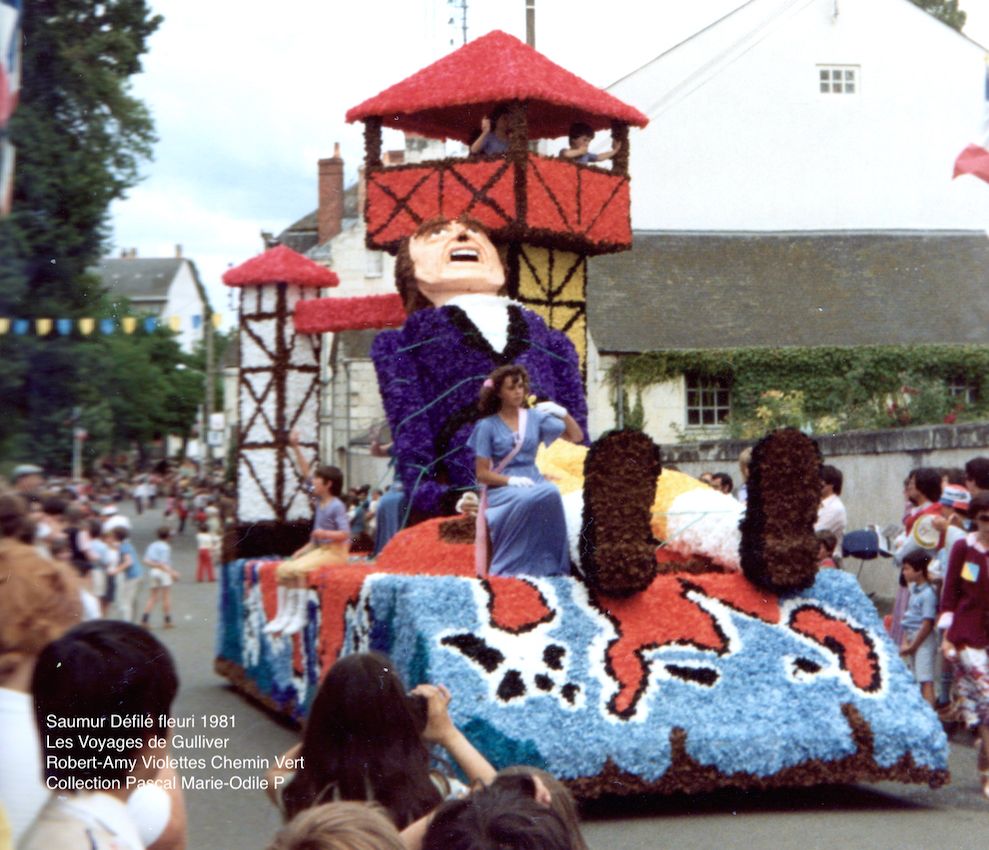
pixel 523 512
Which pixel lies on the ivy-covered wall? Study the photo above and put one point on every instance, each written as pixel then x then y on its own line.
pixel 827 389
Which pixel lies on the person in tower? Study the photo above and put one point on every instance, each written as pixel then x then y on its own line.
pixel 492 138
pixel 580 138
pixel 460 327
pixel 328 543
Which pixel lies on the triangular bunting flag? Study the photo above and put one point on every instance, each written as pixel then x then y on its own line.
pixel 128 323
pixel 86 326
pixel 42 327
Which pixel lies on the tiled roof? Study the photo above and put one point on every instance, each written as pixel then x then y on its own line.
pixel 138 278
pixel 301 235
pixel 691 290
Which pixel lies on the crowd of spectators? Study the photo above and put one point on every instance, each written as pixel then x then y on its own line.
pixel 940 616
pixel 68 651
pixel 365 774
pixel 82 523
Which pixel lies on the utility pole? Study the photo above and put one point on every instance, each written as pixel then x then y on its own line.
pixel 530 39
pixel 78 435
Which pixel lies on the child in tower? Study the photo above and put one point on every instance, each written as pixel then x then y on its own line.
pixel 580 137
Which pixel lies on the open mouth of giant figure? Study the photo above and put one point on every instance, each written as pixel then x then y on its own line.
pixel 465 255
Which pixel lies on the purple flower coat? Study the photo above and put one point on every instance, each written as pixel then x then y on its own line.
pixel 430 374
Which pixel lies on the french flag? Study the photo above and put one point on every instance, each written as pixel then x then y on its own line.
pixel 974 159
pixel 10 84
pixel 10 57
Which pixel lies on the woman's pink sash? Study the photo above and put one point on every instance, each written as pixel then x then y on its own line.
pixel 481 527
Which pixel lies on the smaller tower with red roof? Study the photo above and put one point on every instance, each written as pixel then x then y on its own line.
pixel 278 390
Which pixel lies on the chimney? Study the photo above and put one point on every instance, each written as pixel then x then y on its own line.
pixel 329 216
pixel 178 252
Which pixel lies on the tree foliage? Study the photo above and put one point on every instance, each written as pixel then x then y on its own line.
pixel 944 10
pixel 81 137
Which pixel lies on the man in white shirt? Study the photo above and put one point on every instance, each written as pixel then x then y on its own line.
pixel 831 516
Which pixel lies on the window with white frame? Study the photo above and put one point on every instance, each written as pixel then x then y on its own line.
pixel 838 79
pixel 963 390
pixel 373 263
pixel 708 402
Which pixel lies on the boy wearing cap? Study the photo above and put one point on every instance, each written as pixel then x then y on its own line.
pixel 951 523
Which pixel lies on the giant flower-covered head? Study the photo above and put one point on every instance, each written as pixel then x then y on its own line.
pixel 446 258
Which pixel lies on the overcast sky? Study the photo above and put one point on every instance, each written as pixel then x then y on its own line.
pixel 247 98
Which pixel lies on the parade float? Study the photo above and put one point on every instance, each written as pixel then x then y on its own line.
pixel 694 648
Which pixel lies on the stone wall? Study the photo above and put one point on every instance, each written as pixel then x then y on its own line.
pixel 874 464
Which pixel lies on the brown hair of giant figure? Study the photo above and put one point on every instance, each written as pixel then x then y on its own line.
pixel 445 258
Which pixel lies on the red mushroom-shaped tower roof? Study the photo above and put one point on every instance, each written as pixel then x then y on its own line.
pixel 280 265
pixel 446 100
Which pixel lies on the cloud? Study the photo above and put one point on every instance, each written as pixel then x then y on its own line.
pixel 245 101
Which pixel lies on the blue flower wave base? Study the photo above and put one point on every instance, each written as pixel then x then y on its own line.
pixel 699 682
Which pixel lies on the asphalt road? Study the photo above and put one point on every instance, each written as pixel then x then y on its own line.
pixel 226 726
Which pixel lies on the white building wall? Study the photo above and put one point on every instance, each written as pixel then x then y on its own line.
pixel 664 404
pixel 600 410
pixel 741 138
pixel 185 302
pixel 355 270
pixel 665 407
